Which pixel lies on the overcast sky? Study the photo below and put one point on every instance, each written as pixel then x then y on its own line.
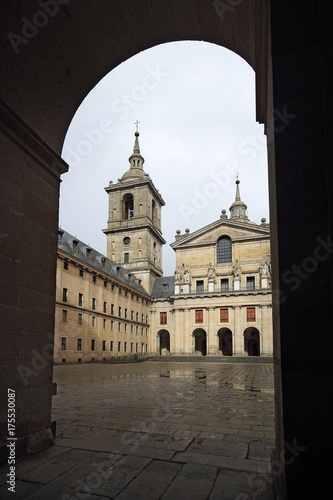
pixel 196 105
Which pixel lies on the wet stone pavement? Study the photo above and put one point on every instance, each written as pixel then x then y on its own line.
pixel 155 430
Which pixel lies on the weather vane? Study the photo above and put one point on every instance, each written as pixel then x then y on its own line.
pixel 137 125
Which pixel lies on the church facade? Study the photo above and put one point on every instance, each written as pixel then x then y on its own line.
pixel 217 303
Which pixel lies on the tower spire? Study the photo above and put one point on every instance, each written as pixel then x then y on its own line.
pixel 238 208
pixel 136 159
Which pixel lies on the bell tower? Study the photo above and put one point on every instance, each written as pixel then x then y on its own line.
pixel 134 236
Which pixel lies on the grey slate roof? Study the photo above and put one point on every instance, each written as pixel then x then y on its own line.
pixel 73 246
pixel 163 287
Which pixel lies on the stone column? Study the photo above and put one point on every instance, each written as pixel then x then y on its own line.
pixel 239 343
pixel 29 203
pixel 187 339
pixel 211 334
pixel 266 330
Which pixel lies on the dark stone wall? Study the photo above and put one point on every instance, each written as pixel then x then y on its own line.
pixel 29 198
pixel 301 53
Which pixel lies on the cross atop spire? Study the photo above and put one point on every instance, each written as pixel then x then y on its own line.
pixel 137 125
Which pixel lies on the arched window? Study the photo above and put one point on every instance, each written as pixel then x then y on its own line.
pixel 224 249
pixel 128 206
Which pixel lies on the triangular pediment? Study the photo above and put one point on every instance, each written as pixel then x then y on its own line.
pixel 236 230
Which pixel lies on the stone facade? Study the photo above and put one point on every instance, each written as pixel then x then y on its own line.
pixel 101 310
pixel 218 303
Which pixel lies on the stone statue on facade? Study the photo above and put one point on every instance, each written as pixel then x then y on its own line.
pixel 211 272
pixel 236 269
pixel 263 268
pixel 178 276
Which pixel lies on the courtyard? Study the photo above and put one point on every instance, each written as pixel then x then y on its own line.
pixel 156 430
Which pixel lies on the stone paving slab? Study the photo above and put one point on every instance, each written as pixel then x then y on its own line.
pixel 218 448
pixel 123 473
pixel 193 482
pixel 48 471
pixel 152 482
pixel 245 486
pixel 223 462
pixel 142 451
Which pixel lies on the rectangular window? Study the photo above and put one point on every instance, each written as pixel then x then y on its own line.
pixel 94 278
pixel 112 308
pixel 132 313
pixel 125 313
pixel 80 319
pixel 224 315
pixel 136 347
pixel 250 314
pixel 126 258
pixel 93 321
pixel 137 316
pixel 64 316
pixel 119 312
pixel 163 318
pixel 63 343
pixel 131 346
pixel 250 283
pixel 131 328
pixel 64 294
pixel 104 345
pixel 80 300
pixel 79 344
pixel 105 284
pixel 81 273
pixel 125 328
pixel 93 304
pixel 92 345
pixel 199 315
pixel 104 324
pixel 66 265
pixel 111 345
pixel 224 285
pixel 119 346
pixel 125 346
pixel 104 307
pixel 112 325
pixel 200 286
pixel 119 326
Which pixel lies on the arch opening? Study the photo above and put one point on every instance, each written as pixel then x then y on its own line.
pixel 200 342
pixel 252 341
pixel 164 337
pixel 225 342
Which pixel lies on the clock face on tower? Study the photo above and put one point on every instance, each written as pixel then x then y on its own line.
pixel 126 241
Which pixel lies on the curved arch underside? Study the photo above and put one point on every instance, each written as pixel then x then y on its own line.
pixel 48 74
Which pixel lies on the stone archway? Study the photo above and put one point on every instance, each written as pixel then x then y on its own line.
pixel 225 347
pixel 252 341
pixel 200 342
pixel 164 337
pixel 69 60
